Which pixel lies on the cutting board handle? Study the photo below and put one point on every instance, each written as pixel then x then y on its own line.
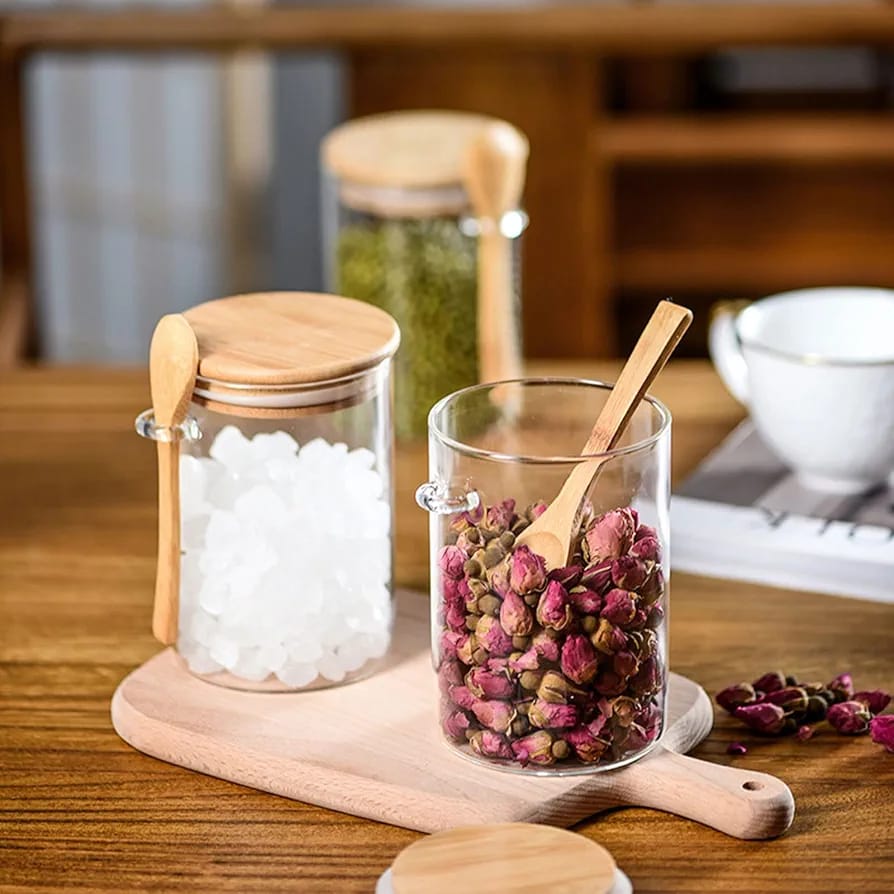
pixel 741 803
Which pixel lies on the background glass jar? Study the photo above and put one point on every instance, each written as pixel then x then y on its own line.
pixel 560 671
pixel 286 520
pixel 402 231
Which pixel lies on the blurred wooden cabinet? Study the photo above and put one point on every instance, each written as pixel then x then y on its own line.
pixel 643 185
pixel 638 188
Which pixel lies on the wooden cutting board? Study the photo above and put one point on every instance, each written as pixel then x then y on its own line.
pixel 374 749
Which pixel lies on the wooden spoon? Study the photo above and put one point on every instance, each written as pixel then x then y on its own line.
pixel 173 361
pixel 550 535
pixel 494 179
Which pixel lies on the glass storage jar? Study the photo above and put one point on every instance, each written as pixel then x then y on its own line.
pixel 286 492
pixel 547 671
pixel 421 218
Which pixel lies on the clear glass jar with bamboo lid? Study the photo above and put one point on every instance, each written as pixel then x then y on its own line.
pixel 272 414
pixel 421 217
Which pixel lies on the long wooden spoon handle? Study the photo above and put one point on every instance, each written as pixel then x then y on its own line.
pixel 499 354
pixel 741 803
pixel 655 345
pixel 166 610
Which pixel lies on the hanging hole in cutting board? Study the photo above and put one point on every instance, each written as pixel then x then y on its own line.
pixel 752 785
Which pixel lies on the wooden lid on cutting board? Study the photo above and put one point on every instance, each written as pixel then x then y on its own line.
pixel 411 150
pixel 512 858
pixel 289 338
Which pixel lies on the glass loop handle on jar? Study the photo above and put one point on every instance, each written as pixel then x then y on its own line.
pixel 435 498
pixel 511 225
pixel 146 427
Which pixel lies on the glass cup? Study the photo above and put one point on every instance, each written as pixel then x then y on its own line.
pixel 557 671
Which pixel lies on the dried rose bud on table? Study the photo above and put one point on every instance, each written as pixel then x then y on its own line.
pixel 561 669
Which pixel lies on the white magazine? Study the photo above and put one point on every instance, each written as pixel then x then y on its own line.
pixel 743 515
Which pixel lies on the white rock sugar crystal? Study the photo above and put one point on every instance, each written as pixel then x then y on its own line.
pixel 286 559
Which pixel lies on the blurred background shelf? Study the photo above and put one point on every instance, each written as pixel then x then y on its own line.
pixel 706 150
pixel 725 139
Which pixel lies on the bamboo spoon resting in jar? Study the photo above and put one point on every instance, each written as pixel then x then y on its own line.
pixel 551 534
pixel 173 360
pixel 494 179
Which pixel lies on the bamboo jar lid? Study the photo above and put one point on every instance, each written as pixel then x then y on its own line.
pixel 405 163
pixel 264 353
pixel 510 858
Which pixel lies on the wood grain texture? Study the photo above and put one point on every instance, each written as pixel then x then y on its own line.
pixel 646 29
pixel 77 561
pixel 517 857
pixel 374 749
pixel 288 338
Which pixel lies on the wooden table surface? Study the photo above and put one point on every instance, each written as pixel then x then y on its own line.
pixel 79 808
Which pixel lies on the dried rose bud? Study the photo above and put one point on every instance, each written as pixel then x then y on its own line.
pixel 469 540
pixel 515 617
pixel 805 731
pixel 527 571
pixel 450 642
pixel 455 724
pixel 530 679
pixel 579 660
pixel 609 683
pixel 625 664
pixel 486 684
pixel 598 577
pixel 498 577
pixel 489 605
pixel 648 549
pixel 762 718
pixel 849 718
pixel 653 589
pixel 608 638
pixel 492 638
pixel 568 576
pixel 842 688
pixel 648 679
pixel 535 510
pixel 494 553
pixel 644 531
pixel 473 516
pixel 451 560
pixel 619 608
pixel 473 567
pixel 586 602
pixel 548 715
pixel 449 674
pixel 649 717
pixel 792 699
pixel 476 589
pixel 876 700
pixel 817 707
pixel 467 649
pixel 623 710
pixel 770 682
pixel 882 728
pixel 495 715
pixel 733 696
pixel 462 697
pixel 554 688
pixel 534 749
pixel 637 738
pixel 586 746
pixel 736 748
pixel 554 609
pixel 609 536
pixel 455 615
pixel 490 744
pixel 629 573
pixel 499 517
